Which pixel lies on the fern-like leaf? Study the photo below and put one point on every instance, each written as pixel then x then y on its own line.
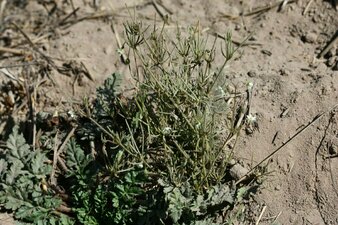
pixel 3 167
pixel 76 158
pixel 17 145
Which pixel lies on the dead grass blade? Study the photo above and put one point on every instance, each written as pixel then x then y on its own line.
pixel 33 46
pixel 236 42
pixel 13 51
pixel 159 11
pixel 123 56
pixel 73 13
pixel 260 215
pixel 330 44
pixel 259 10
pixel 316 118
pixel 307 7
pixel 2 8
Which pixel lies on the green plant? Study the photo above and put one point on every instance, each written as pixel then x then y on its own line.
pixel 23 173
pixel 100 198
pixel 171 124
pixel 159 155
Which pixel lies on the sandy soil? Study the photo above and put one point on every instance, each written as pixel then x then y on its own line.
pixel 292 85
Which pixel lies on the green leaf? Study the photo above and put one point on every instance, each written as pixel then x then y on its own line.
pixel 220 194
pixel 3 166
pixel 21 193
pixel 208 221
pixel 38 165
pixel 75 157
pixel 199 206
pixel 65 220
pixel 13 203
pixel 241 193
pixel 17 146
pixel 111 86
pixel 177 203
pixel 14 171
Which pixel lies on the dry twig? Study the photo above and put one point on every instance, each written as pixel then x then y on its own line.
pixel 158 10
pixel 123 56
pixel 13 51
pixel 307 7
pixel 68 16
pixel 316 118
pixel 47 58
pixel 241 43
pixel 56 156
pixel 317 196
pixel 2 8
pixel 260 10
pixel 260 215
pixel 330 44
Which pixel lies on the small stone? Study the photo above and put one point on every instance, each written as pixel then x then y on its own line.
pixel 253 38
pixel 249 131
pixel 266 52
pixel 10 98
pixel 107 50
pixel 283 72
pixel 232 162
pixel 321 67
pixel 252 73
pixel 310 37
pixel 335 67
pixel 277 188
pixel 331 61
pixel 237 27
pixel 45 47
pixel 238 171
pixel 330 53
pixel 315 18
pixel 333 150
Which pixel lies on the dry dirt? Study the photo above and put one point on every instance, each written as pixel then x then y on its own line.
pixel 291 84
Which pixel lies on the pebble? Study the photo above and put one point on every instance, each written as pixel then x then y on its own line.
pixel 331 61
pixel 10 98
pixel 237 27
pixel 232 162
pixel 253 38
pixel 252 73
pixel 238 171
pixel 330 53
pixel 315 18
pixel 321 67
pixel 266 52
pixel 310 37
pixel 335 67
pixel 107 50
pixel 283 72
pixel 333 150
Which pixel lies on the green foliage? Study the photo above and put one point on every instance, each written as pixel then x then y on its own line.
pixel 170 126
pixel 22 172
pixel 100 198
pixel 158 155
pixel 185 208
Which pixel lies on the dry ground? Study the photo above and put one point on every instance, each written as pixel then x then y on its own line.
pixel 292 85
